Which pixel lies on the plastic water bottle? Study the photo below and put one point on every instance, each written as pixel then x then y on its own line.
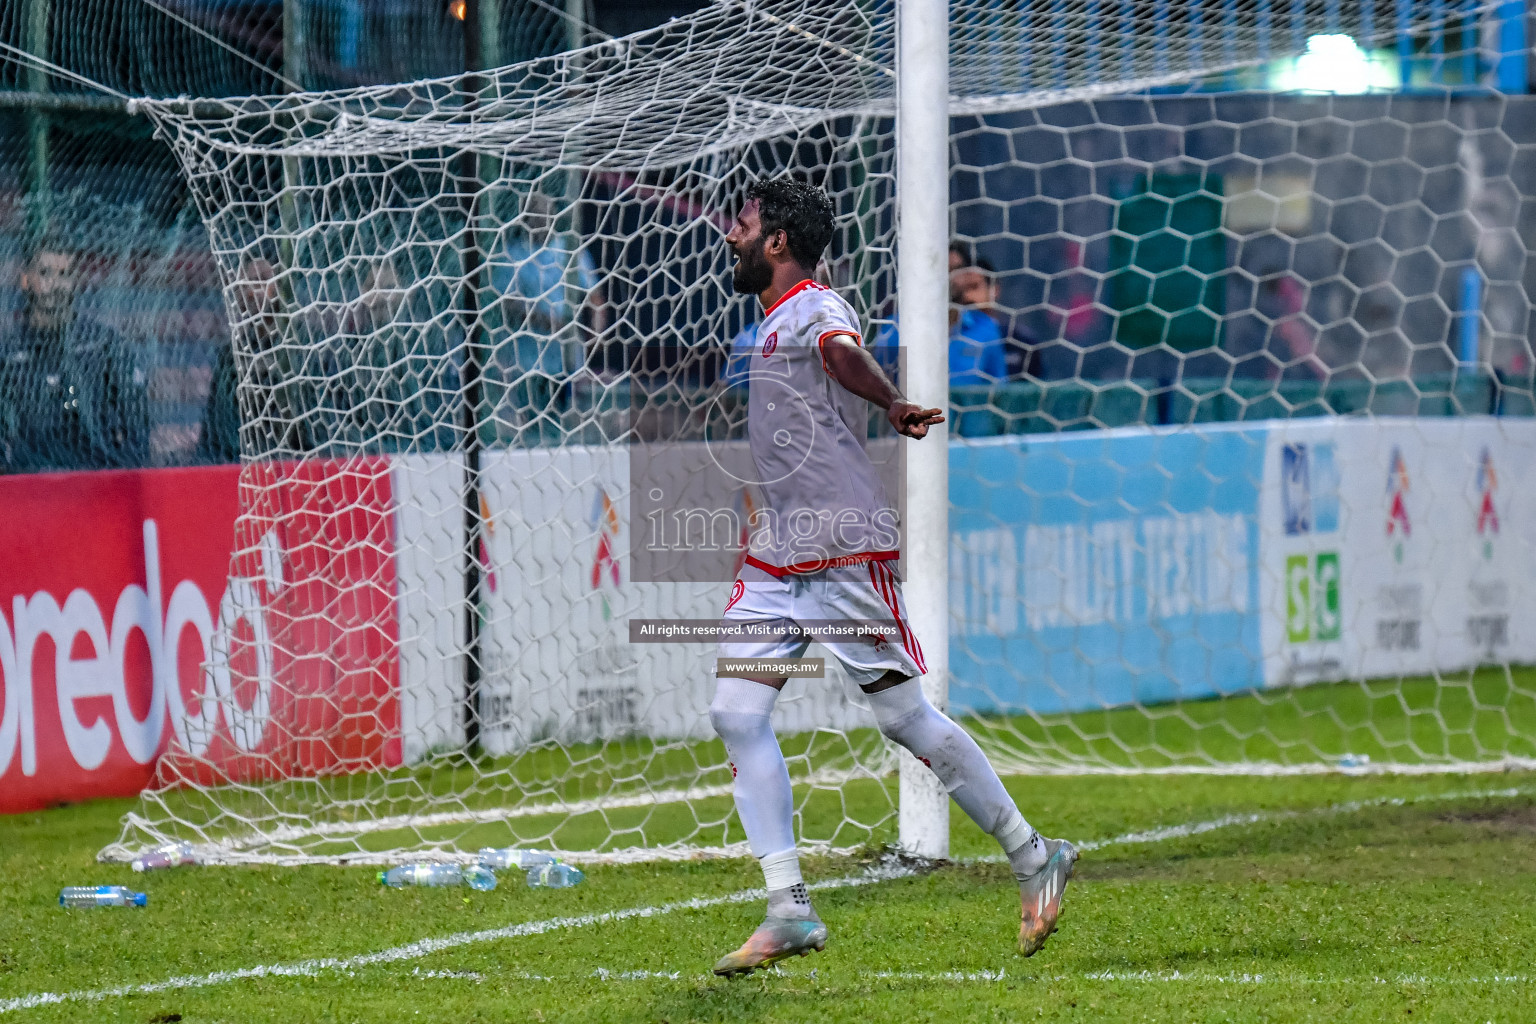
pixel 475 876
pixel 171 855
pixel 554 876
pixel 510 857
pixel 101 896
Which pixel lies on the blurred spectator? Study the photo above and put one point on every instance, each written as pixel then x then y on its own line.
pixel 369 363
pixel 976 356
pixel 1066 337
pixel 738 362
pixel 400 383
pixel 75 394
pixel 255 318
pixel 1293 341
pixel 282 409
pixel 550 305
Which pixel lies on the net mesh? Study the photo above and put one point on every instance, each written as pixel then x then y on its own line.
pixel 457 304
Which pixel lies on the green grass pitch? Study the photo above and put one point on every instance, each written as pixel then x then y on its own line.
pixel 1479 716
pixel 1331 903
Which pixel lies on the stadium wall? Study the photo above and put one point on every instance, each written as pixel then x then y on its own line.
pixel 1137 565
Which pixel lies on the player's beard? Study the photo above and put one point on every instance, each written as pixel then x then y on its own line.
pixel 753 273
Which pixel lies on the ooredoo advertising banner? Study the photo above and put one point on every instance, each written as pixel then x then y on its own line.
pixel 112 584
pixel 122 627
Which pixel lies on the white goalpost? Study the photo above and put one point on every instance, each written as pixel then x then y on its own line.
pixel 922 281
pixel 1238 389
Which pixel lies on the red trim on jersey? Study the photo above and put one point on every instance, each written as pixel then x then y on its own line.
pixel 821 344
pixel 885 585
pixel 822 564
pixel 796 290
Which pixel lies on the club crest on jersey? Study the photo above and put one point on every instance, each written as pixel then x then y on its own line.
pixel 770 343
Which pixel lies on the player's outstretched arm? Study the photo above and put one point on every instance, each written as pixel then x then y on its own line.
pixel 851 365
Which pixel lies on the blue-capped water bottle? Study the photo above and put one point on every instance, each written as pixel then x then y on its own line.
pixel 511 857
pixel 554 876
pixel 101 896
pixel 475 876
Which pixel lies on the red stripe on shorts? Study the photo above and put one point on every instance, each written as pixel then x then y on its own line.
pixel 884 584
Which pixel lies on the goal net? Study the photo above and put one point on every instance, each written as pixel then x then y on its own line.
pixel 1240 403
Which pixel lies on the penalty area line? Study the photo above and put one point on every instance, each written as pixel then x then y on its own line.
pixel 887 872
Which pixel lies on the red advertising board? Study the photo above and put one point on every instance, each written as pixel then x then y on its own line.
pixel 127 627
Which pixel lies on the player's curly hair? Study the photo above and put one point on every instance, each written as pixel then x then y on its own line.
pixel 801 210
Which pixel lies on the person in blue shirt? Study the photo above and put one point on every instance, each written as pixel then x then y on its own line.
pixel 977 357
pixel 727 411
pixel 545 281
pixel 738 363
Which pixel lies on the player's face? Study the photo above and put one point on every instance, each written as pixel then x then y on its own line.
pixel 753 274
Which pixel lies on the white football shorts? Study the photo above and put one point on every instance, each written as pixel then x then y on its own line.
pixel 867 593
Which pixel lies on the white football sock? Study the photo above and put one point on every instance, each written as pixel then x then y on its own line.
pixel 904 714
pixel 787 895
pixel 1023 845
pixel 741 714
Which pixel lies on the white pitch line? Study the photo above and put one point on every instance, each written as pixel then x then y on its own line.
pixel 1198 978
pixel 426 947
pixel 474 976
pixel 232 851
pixel 1188 977
pixel 983 975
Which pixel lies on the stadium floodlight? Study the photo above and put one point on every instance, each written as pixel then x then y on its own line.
pixel 461 305
pixel 1335 63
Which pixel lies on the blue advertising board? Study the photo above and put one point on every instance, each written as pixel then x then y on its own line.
pixel 1104 569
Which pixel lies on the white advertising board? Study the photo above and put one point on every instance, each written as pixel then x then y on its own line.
pixel 1395 547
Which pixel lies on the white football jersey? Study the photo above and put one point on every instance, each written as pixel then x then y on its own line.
pixel 826 504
